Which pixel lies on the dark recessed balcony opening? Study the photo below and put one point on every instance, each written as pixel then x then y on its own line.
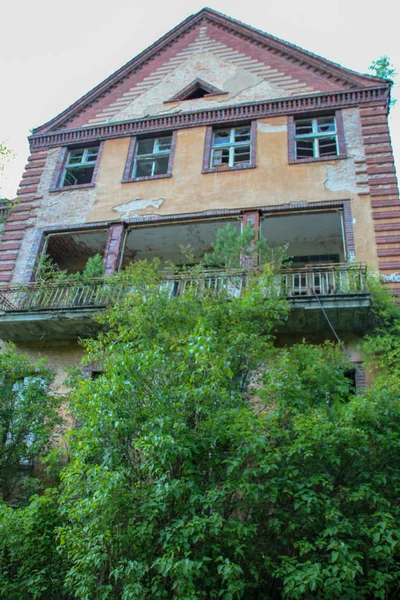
pixel 180 244
pixel 70 251
pixel 312 238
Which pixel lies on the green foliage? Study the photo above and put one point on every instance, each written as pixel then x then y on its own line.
pixel 231 249
pixel 30 566
pixel 28 418
pixel 48 270
pixel 382 347
pixel 384 68
pixel 210 464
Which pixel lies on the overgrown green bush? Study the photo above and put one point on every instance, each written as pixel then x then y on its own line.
pixel 211 464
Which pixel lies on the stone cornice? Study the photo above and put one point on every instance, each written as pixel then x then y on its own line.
pixel 229 114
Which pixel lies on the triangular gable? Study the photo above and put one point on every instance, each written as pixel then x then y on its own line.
pixel 273 67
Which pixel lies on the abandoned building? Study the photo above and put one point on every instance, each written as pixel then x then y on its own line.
pixel 215 123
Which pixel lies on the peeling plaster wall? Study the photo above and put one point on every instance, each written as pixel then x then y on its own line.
pixel 61 207
pixel 341 175
pixel 56 208
pixel 273 181
pixel 238 83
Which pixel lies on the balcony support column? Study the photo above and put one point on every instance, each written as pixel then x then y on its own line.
pixel 250 218
pixel 113 248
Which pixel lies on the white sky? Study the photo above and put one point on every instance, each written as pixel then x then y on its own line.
pixel 54 52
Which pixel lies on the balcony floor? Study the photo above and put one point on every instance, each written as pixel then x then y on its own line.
pixel 57 325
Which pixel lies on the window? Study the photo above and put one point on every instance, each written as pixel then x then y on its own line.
pixel 316 138
pixel 152 157
pixel 79 166
pixel 231 147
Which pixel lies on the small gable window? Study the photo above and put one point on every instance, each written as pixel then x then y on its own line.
pixel 79 166
pixel 197 89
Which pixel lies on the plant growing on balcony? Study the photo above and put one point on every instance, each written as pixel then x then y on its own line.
pixel 233 251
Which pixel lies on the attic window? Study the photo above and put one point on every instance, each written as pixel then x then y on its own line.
pixel 197 89
pixel 198 92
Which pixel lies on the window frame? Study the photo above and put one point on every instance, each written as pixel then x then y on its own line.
pixel 130 164
pixel 209 148
pixel 62 163
pixel 339 134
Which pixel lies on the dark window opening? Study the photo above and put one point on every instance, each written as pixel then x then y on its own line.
pixel 197 93
pixel 79 166
pixel 70 252
pixel 351 375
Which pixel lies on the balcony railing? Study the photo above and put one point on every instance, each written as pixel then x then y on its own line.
pixel 321 280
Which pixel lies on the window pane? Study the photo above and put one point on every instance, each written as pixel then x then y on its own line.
pixel 145 146
pixel 78 176
pixel 220 157
pixel 326 125
pixel 164 144
pixel 221 138
pixel 241 155
pixel 305 148
pixel 144 167
pixel 161 165
pixel 327 146
pixel 242 134
pixel 75 156
pixel 304 127
pixel 91 154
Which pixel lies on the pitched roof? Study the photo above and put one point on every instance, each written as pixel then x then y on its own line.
pixel 260 49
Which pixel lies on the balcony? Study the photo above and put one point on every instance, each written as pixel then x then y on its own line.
pixel 66 310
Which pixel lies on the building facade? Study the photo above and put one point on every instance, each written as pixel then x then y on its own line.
pixel 215 123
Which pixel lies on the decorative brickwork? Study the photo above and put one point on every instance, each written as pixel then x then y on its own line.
pixel 230 114
pixel 383 186
pixel 250 218
pixel 21 215
pixel 285 61
pixel 113 248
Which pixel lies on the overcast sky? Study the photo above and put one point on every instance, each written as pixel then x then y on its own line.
pixel 54 52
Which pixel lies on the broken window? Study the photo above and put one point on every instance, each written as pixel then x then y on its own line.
pixel 79 166
pixel 231 147
pixel 152 157
pixel 316 138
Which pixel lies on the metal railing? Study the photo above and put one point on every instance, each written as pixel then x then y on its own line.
pixel 318 280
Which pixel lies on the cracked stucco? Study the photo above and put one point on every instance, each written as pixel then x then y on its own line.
pixel 128 209
pixel 236 81
pixel 341 175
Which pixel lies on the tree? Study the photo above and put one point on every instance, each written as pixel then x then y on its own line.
pixel 29 416
pixel 210 464
pixel 385 69
pixel 5 155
